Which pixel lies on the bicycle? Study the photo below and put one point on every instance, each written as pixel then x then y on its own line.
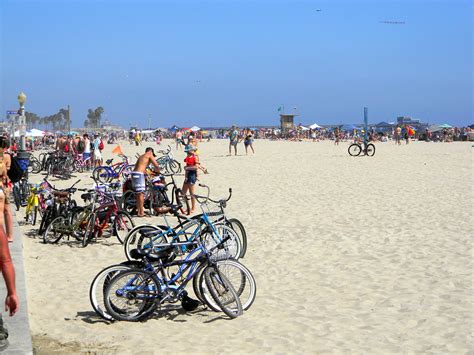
pixel 133 295
pixel 107 173
pixel 148 237
pixel 80 164
pixel 356 148
pixel 36 202
pixel 167 162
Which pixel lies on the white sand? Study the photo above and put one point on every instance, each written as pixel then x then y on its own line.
pixel 350 254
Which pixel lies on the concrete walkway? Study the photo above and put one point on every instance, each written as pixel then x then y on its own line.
pixel 18 326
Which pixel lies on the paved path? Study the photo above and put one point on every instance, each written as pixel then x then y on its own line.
pixel 18 326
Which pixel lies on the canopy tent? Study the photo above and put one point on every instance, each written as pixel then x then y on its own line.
pixel 315 126
pixel 17 134
pixel 303 128
pixel 148 131
pixel 195 128
pixel 349 127
pixel 174 128
pixel 434 128
pixel 445 125
pixel 34 133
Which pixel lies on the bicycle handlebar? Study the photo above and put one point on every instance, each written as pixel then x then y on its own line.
pixel 210 199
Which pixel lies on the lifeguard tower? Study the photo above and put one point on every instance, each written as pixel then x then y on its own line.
pixel 287 122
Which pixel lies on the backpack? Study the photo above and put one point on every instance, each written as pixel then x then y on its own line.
pixel 101 145
pixel 15 173
pixel 81 146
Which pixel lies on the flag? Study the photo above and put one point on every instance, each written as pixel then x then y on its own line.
pixel 279 109
pixel 117 150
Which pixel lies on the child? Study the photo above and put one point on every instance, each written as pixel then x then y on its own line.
pixel 191 174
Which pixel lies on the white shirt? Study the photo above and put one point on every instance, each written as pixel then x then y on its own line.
pixel 87 143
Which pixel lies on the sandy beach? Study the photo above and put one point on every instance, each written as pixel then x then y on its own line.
pixel 363 255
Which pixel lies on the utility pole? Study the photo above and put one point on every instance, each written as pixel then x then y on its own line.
pixel 69 119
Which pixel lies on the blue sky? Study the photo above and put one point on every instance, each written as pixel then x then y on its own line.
pixel 223 62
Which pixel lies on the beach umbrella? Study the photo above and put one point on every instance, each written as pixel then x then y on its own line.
pixel 35 133
pixel 195 128
pixel 315 126
pixel 445 125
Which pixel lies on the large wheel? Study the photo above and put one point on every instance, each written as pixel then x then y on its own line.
pixel 182 200
pixel 102 174
pixel 238 275
pixel 231 246
pixel 238 228
pixel 123 223
pixel 129 202
pixel 223 292
pixel 354 150
pixel 100 283
pixel 157 199
pixel 143 238
pixel 55 230
pixel 131 295
pixel 173 167
pixel 45 220
pixel 370 150
pixel 89 231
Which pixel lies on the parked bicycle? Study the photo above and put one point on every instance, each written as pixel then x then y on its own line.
pixel 355 149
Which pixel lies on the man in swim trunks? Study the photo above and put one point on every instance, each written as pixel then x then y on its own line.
pixel 233 139
pixel 138 177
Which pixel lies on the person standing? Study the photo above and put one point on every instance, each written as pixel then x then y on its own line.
pixel 191 175
pixel 248 141
pixel 233 139
pixel 6 185
pixel 138 177
pixel 96 148
pixel 337 135
pixel 87 151
pixel 398 135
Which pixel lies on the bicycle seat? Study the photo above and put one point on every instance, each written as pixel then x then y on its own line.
pixel 61 194
pixel 109 161
pixel 162 254
pixel 86 196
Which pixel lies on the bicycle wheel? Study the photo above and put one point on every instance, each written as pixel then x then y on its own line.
pixel 354 150
pixel 370 150
pixel 123 223
pixel 101 174
pixel 129 202
pixel 173 167
pixel 223 292
pixel 55 230
pixel 89 231
pixel 131 295
pixel 45 220
pixel 238 228
pixel 157 199
pixel 238 275
pixel 143 237
pixel 181 200
pixel 223 244
pixel 100 283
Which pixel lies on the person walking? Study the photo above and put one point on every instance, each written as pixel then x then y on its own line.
pixel 97 151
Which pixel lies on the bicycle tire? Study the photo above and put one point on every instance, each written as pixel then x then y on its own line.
pixel 52 236
pixel 182 200
pixel 89 231
pixel 100 283
pixel 173 166
pixel 230 249
pixel 354 150
pixel 101 174
pixel 139 283
pixel 120 218
pixel 129 202
pixel 239 229
pixel 370 150
pixel 223 292
pixel 136 240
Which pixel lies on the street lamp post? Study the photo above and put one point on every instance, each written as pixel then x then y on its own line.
pixel 22 156
pixel 22 119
